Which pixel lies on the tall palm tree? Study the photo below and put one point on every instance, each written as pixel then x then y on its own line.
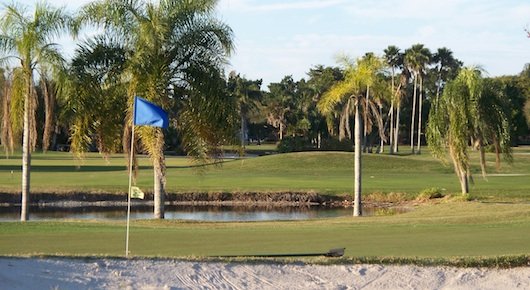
pixel 446 67
pixel 351 93
pixel 178 49
pixel 368 68
pixel 392 58
pixel 28 38
pixel 416 59
pixel 468 109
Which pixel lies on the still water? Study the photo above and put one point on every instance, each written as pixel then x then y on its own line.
pixel 186 212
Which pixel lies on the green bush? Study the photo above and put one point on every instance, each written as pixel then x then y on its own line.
pixel 333 144
pixel 293 144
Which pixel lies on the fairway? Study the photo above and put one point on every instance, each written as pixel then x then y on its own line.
pixel 496 224
pixel 328 173
pixel 443 231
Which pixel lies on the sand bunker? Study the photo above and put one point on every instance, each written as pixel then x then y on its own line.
pixel 174 274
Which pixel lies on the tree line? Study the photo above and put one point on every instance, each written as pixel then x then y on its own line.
pixel 173 53
pixel 400 88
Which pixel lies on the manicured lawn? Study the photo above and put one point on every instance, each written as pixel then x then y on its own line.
pixel 446 230
pixel 321 172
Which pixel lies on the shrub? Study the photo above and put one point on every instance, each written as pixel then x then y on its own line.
pixel 430 193
pixel 293 144
pixel 333 144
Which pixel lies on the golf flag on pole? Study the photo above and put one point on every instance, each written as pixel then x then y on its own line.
pixel 147 113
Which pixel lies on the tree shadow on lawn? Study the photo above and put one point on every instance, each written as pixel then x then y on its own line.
pixel 69 168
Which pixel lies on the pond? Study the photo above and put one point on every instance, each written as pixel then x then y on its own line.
pixel 187 212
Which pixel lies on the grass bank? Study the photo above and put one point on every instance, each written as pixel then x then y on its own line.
pixel 441 232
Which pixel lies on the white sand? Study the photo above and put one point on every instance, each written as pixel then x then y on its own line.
pixel 174 274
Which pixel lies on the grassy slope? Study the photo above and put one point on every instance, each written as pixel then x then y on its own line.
pixel 323 172
pixel 438 231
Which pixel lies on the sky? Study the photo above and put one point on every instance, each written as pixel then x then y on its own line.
pixel 276 38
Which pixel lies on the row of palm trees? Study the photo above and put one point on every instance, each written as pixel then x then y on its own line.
pixel 170 52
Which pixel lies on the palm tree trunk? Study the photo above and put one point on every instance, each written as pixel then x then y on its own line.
pixel 418 148
pixel 241 115
pixel 391 132
pixel 365 121
pixel 464 182
pixel 382 144
pixel 48 119
pixel 159 191
pixel 460 172
pixel 482 161
pixel 413 117
pixel 357 208
pixel 396 131
pixel 26 154
pixel 497 153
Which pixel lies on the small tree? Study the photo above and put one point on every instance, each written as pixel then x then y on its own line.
pixel 468 112
pixel 353 94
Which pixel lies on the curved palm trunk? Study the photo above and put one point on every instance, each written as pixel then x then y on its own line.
pixel 357 208
pixel 413 117
pixel 461 173
pixel 420 105
pixel 26 154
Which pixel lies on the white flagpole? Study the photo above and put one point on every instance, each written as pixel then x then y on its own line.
pixel 129 193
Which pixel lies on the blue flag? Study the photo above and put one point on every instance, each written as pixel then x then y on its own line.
pixel 147 113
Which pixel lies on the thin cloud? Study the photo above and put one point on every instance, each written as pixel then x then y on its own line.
pixel 249 5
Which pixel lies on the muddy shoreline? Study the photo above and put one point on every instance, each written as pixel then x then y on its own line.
pixel 259 199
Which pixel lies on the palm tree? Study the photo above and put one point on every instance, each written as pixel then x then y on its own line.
pixel 352 94
pixel 392 58
pixel 468 109
pixel 28 38
pixel 279 102
pixel 177 50
pixel 248 95
pixel 320 81
pixel 446 67
pixel 95 95
pixel 367 69
pixel 416 59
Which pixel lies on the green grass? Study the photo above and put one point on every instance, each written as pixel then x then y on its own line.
pixel 321 172
pixel 482 232
pixel 443 231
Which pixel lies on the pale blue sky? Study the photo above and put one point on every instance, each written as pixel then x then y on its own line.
pixel 275 38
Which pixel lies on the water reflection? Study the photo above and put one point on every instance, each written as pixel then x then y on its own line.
pixel 188 212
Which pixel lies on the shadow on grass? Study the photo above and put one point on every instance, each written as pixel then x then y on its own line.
pixel 68 168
